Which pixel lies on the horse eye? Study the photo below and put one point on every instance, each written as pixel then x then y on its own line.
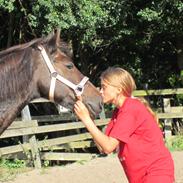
pixel 69 66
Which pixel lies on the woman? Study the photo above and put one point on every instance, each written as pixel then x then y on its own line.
pixel 133 131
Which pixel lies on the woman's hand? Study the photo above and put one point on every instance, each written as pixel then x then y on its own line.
pixel 81 111
pixel 106 144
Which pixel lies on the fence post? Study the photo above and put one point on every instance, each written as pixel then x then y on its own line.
pixel 167 122
pixel 31 139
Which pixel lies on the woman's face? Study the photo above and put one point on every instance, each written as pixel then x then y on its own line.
pixel 109 93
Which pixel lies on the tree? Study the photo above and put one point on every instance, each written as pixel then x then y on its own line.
pixel 144 37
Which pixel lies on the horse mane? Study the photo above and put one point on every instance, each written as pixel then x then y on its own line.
pixel 63 47
pixel 17 67
pixel 16 71
pixel 19 47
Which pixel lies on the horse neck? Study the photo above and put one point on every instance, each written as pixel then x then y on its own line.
pixel 18 88
pixel 9 110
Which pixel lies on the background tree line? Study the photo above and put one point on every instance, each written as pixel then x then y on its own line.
pixel 144 37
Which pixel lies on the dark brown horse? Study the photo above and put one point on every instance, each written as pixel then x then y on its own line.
pixel 41 68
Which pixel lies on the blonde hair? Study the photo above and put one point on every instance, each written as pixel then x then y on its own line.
pixel 118 77
pixel 146 103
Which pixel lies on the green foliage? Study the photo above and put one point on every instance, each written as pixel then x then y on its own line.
pixel 10 168
pixel 83 17
pixel 7 4
pixel 149 15
pixel 16 163
pixel 175 80
pixel 46 163
pixel 181 74
pixel 56 13
pixel 140 36
pixel 176 143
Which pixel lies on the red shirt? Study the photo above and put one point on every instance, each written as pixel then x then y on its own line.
pixel 141 150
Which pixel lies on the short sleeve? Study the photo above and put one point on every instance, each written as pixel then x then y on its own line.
pixel 124 126
pixel 109 127
pixel 111 123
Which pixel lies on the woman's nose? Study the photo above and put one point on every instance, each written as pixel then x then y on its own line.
pixel 101 90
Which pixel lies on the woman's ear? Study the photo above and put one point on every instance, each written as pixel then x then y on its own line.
pixel 119 90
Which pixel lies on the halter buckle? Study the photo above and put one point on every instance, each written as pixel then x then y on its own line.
pixel 79 90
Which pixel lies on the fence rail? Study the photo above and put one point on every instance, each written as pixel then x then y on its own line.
pixel 71 134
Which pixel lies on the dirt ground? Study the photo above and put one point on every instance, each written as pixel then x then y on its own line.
pixel 99 170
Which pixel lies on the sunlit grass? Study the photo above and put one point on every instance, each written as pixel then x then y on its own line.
pixel 9 169
pixel 175 143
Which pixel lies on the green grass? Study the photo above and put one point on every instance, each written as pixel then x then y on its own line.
pixel 9 169
pixel 175 143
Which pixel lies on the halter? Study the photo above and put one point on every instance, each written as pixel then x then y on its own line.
pixel 78 89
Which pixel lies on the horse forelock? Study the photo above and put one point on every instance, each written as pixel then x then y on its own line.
pixel 53 44
pixel 64 47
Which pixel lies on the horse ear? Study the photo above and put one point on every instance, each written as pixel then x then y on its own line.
pixel 53 38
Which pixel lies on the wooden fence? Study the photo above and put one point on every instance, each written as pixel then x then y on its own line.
pixel 35 133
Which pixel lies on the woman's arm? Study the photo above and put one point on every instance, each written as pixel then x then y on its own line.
pixel 107 144
pixel 98 147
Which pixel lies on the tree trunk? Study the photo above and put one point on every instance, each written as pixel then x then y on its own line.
pixel 180 53
pixel 10 29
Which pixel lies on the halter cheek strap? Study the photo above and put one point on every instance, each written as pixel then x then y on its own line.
pixel 78 89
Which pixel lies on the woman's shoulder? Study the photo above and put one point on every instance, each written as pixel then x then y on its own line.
pixel 132 104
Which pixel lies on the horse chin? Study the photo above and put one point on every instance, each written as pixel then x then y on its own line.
pixel 70 105
pixel 93 114
pixel 66 104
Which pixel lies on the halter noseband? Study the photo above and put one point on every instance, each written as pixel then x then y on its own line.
pixel 78 89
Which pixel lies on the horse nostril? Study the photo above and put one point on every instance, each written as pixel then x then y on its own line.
pixel 101 105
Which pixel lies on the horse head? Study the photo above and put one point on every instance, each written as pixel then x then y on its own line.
pixel 42 68
pixel 58 78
